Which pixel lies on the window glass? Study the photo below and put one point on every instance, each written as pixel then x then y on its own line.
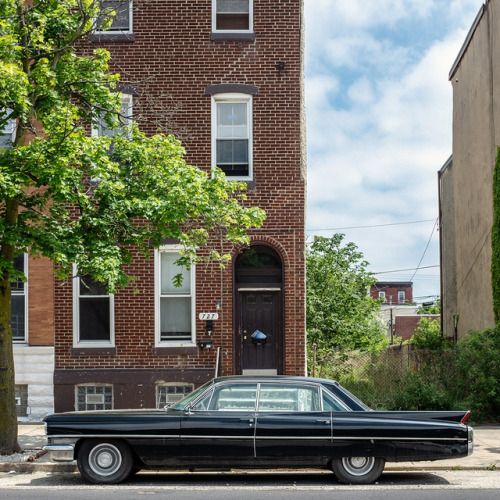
pixel 94 309
pixel 125 120
pixel 94 397
pixel 6 133
pixel 234 397
pixel 232 129
pixel 175 304
pixel 18 304
pixel 331 404
pixel 122 21
pixel 169 269
pixel 288 397
pixel 232 15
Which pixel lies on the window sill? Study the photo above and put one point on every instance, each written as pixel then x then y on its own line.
pixel 236 37
pixel 177 350
pixel 93 351
pixel 112 37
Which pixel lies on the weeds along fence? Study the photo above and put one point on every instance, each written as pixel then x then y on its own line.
pixel 399 378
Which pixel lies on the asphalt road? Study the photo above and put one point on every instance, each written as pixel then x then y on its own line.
pixel 436 485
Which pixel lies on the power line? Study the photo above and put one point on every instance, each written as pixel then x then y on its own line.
pixel 368 227
pixel 403 270
pixel 427 246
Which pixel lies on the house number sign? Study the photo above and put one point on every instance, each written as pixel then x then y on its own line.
pixel 208 316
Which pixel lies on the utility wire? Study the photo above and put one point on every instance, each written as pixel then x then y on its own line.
pixel 367 227
pixel 427 246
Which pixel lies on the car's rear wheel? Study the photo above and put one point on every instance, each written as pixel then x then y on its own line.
pixel 105 462
pixel 358 470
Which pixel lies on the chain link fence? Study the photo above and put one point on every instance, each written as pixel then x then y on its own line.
pixel 399 378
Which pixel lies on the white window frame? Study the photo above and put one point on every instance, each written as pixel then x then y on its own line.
pixel 381 295
pixel 214 19
pixel 401 297
pixel 76 317
pixel 173 342
pixel 130 29
pixel 24 293
pixel 233 97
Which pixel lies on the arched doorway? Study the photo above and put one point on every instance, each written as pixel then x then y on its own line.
pixel 258 336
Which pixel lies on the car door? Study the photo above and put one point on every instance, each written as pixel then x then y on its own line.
pixel 291 425
pixel 220 428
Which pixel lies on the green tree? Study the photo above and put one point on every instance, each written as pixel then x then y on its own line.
pixel 340 312
pixel 142 191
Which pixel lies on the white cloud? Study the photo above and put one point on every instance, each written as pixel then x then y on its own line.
pixel 379 121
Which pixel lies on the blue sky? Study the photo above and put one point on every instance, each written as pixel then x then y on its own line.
pixel 379 124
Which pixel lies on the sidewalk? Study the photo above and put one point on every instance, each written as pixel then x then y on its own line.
pixel 486 454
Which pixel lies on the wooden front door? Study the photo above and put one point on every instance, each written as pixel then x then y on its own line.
pixel 258 332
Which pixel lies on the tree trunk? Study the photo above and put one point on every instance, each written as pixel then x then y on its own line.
pixel 8 414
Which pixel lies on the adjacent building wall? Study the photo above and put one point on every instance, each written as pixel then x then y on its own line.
pixel 467 218
pixel 34 358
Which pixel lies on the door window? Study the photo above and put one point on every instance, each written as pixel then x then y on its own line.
pixel 288 397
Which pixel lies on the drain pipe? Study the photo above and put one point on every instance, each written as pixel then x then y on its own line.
pixel 217 362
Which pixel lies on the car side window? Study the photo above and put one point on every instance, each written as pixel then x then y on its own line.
pixel 331 404
pixel 288 397
pixel 236 397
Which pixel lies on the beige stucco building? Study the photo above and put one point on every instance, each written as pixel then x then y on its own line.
pixel 466 179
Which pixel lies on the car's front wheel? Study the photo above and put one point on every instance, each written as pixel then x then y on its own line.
pixel 358 470
pixel 105 462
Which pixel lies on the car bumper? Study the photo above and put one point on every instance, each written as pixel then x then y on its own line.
pixel 61 452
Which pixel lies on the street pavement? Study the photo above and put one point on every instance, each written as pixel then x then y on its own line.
pixel 486 455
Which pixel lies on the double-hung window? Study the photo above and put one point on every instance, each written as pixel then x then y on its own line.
pixel 235 16
pixel 401 297
pixel 175 305
pixel 93 313
pixel 19 301
pixel 232 134
pixel 122 20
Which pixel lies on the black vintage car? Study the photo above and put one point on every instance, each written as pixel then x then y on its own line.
pixel 256 422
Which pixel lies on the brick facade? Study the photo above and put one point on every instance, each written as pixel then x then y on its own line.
pixel 173 63
pixel 406 326
pixel 392 291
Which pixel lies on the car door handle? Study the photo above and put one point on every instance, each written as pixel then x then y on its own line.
pixel 249 420
pixel 327 422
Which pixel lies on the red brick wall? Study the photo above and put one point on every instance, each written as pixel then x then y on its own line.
pixel 406 326
pixel 391 292
pixel 171 62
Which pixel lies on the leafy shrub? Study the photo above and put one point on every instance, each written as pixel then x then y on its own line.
pixel 419 394
pixel 429 335
pixel 478 365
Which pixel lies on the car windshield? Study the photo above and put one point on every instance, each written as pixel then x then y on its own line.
pixel 190 397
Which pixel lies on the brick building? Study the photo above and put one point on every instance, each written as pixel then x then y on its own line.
pixel 393 292
pixel 226 76
pixel 406 326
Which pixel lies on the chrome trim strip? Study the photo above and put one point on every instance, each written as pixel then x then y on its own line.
pixel 112 436
pixel 208 436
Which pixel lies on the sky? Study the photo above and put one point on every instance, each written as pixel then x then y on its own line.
pixel 379 126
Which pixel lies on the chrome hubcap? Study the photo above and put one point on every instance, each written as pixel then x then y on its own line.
pixel 105 459
pixel 358 466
